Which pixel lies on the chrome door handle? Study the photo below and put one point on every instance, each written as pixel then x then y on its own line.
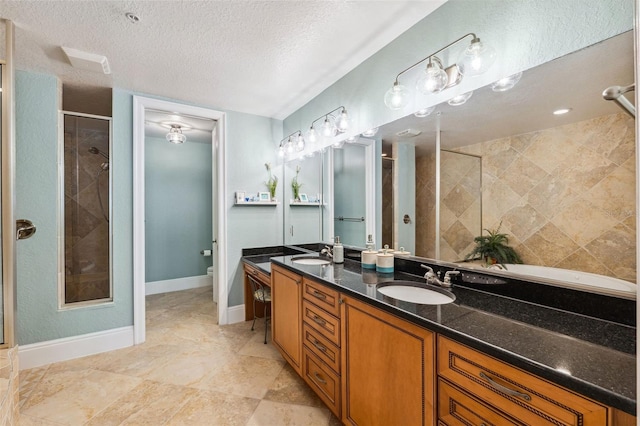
pixel 24 229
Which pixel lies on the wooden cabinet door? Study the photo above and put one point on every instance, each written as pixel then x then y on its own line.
pixel 286 315
pixel 388 368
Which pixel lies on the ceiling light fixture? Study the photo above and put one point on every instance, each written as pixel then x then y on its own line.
pixel 175 135
pixel 506 83
pixel 333 125
pixel 291 144
pixel 371 132
pixel 561 111
pixel 424 112
pixel 132 17
pixel 476 59
pixel 460 99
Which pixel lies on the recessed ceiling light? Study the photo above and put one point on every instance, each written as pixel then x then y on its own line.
pixel 132 17
pixel 561 111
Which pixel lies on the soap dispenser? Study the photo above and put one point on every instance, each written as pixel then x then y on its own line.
pixel 368 257
pixel 384 261
pixel 338 251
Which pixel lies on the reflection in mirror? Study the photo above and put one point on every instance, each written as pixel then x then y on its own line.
pixel 303 219
pixel 349 187
pixel 561 186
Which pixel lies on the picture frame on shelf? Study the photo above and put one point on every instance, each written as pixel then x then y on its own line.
pixel 240 197
pixel 304 198
pixel 264 197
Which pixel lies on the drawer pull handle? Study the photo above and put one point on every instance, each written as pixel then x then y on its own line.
pixel 319 295
pixel 319 320
pixel 504 389
pixel 320 379
pixel 320 346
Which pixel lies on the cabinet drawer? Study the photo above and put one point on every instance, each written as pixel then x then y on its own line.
pixel 326 324
pixel 321 296
pixel 322 347
pixel 322 380
pixel 457 408
pixel 256 273
pixel 523 396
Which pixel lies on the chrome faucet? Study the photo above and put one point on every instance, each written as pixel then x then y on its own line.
pixel 327 252
pixel 432 278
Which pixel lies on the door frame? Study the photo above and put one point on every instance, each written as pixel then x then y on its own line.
pixel 140 104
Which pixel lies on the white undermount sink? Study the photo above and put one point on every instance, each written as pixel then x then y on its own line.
pixel 409 292
pixel 310 260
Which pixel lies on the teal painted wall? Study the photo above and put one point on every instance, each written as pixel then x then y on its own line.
pixel 178 222
pixel 250 143
pixel 524 33
pixel 37 316
pixel 349 193
pixel 305 220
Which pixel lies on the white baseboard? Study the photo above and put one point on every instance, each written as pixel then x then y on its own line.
pixel 177 284
pixel 42 353
pixel 235 314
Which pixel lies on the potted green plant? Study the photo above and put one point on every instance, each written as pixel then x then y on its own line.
pixel 493 248
pixel 295 185
pixel 272 183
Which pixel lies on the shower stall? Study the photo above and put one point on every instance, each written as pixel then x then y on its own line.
pixel 86 201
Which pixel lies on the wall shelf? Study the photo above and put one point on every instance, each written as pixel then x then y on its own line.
pixel 300 203
pixel 257 203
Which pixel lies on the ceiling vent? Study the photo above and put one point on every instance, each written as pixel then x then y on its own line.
pixel 87 61
pixel 408 133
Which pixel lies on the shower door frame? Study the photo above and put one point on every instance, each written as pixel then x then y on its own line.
pixel 62 305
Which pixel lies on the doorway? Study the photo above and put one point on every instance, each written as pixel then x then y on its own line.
pixel 144 108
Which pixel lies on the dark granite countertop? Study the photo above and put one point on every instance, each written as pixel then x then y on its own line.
pixel 593 357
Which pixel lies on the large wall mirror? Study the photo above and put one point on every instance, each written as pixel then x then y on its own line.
pixel 561 186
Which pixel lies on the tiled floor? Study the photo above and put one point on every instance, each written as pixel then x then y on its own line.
pixel 189 372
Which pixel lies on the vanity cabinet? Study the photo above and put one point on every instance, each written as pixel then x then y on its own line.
pixel 321 342
pixel 286 315
pixel 388 368
pixel 497 387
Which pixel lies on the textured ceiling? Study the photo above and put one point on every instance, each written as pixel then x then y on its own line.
pixel 261 57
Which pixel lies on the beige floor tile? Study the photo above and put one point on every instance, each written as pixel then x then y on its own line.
pixel 289 388
pixel 256 347
pixel 73 397
pixel 35 421
pixel 271 413
pixel 150 403
pixel 214 408
pixel 244 376
pixel 191 368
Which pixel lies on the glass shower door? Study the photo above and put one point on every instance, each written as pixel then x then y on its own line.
pixel 87 192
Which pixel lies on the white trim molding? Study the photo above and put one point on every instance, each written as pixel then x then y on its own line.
pixel 43 353
pixel 235 314
pixel 177 284
pixel 140 105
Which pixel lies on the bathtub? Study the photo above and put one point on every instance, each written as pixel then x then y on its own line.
pixel 575 279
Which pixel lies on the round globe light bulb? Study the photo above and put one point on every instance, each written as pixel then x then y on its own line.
pixel 328 128
pixel 477 58
pixel 281 151
pixel 506 83
pixel 289 146
pixel 312 135
pixel 370 132
pixel 342 121
pixel 299 142
pixel 434 79
pixel 397 97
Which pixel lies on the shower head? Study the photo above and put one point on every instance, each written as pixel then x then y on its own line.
pixel 95 150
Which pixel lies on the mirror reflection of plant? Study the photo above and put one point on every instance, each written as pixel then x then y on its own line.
pixel 272 183
pixel 295 185
pixel 494 248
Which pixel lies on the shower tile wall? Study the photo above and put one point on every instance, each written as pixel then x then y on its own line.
pixel 565 195
pixel 86 229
